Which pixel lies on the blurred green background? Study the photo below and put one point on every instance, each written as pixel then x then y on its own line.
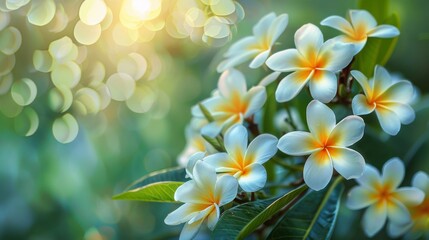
pixel 51 190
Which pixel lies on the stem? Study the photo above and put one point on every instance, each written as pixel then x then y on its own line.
pixel 291 122
pixel 346 82
pixel 287 166
pixel 253 127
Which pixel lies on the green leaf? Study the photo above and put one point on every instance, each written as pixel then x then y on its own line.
pixel 217 142
pixel 313 217
pixel 154 192
pixel 377 8
pixel 269 111
pixel 171 175
pixel 240 221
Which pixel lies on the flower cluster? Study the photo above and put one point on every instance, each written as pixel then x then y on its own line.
pixel 225 120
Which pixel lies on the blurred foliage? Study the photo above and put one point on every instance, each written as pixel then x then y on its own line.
pixel 51 190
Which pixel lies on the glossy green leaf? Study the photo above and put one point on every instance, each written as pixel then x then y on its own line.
pixel 154 192
pixel 240 221
pixel 377 8
pixel 165 175
pixel 313 217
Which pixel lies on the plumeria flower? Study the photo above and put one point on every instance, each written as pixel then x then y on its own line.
pixel 314 62
pixel 256 47
pixel 233 104
pixel 362 26
pixel 419 213
pixel 203 196
pixel 383 197
pixel 242 161
pixel 388 99
pixel 326 143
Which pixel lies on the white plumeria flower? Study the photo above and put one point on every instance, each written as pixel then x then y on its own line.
pixel 314 62
pixel 202 197
pixel 326 143
pixel 242 161
pixel 233 104
pixel 383 197
pixel 388 99
pixel 256 47
pixel 419 213
pixel 362 26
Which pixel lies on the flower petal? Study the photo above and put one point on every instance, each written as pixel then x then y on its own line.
pixel 382 80
pixel 374 218
pixel 336 55
pixel 362 18
pixel 298 143
pixel 396 230
pixel 421 181
pixel 291 85
pixel 277 28
pixel 393 172
pixel 320 119
pixel 338 23
pixel 235 140
pixel 261 27
pixel 261 149
pixel 260 59
pixel 360 105
pixel 308 40
pixel 189 231
pixel 404 112
pixel 384 31
pixel 190 192
pixel 270 78
pixel 240 46
pixel 402 91
pixel 192 161
pixel 349 163
pixel 318 170
pixel 323 86
pixel 370 177
pixel 236 60
pixel 212 129
pixel 363 81
pixel 358 44
pixel 213 217
pixel 232 82
pixel 182 214
pixel 204 176
pixel 389 121
pixel 398 213
pixel 360 197
pixel 286 61
pixel 255 99
pixel 348 131
pixel 410 196
pixel 254 178
pixel 221 162
pixel 226 189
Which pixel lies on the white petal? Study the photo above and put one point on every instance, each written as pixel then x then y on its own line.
pixel 286 61
pixel 393 172
pixel 261 149
pixel 320 119
pixel 264 24
pixel 212 129
pixel 236 60
pixel 395 230
pixel 240 46
pixel 358 44
pixel 298 143
pixel 213 218
pixel 360 105
pixel 204 176
pixel 277 28
pixel 374 219
pixel 382 80
pixel 202 214
pixel 232 82
pixel 235 140
pixel 404 112
pixel 323 86
pixel 370 178
pixel 360 197
pixel 255 99
pixel 192 161
pixel 336 55
pixel 410 196
pixel 254 179
pixel 308 39
pixel 398 213
pixel 221 162
pixel 291 85
pixel 270 78
pixel 182 214
pixel 318 170
pixel 190 192
pixel 260 59
pixel 348 131
pixel 338 23
pixel 421 181
pixel 362 17
pixel 384 31
pixel 349 163
pixel 226 189
pixel 363 81
pixel 189 231
pixel 402 91
pixel 389 121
